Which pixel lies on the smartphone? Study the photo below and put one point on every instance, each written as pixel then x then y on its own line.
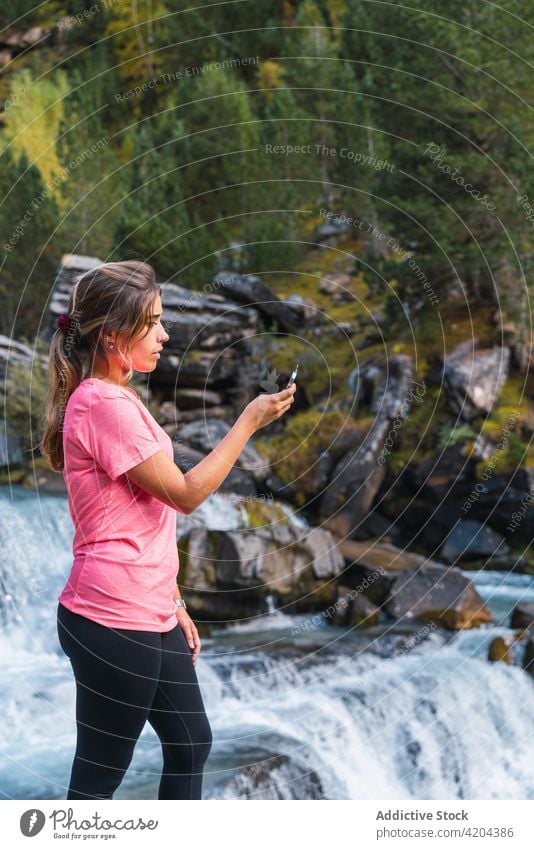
pixel 293 376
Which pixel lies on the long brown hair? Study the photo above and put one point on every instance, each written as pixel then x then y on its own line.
pixel 113 296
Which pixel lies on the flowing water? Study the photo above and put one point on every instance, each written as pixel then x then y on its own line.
pixel 299 708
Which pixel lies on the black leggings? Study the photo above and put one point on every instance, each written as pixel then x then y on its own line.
pixel 123 678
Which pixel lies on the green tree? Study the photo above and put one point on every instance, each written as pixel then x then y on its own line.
pixel 28 214
pixel 447 95
pixel 137 32
pixel 154 222
pixel 93 180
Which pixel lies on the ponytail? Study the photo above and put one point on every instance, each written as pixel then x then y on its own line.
pixel 117 295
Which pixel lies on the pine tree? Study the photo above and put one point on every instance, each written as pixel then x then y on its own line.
pixel 94 181
pixel 154 223
pixel 137 32
pixel 447 98
pixel 28 216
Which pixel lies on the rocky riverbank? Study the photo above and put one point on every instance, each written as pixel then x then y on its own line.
pixel 382 534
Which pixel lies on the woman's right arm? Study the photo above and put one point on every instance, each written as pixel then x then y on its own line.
pixel 160 476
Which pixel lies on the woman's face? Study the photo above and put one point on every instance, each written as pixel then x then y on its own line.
pixel 144 349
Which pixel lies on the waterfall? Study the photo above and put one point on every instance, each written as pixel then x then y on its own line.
pixel 333 715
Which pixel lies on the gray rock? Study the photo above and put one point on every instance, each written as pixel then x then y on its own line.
pixel 338 285
pixel 389 386
pixel 522 616
pixel 191 398
pixel 353 609
pixel 448 474
pixel 471 540
pixel 354 483
pixel 474 378
pixel 332 228
pixel 292 565
pixel 251 290
pixel 275 776
pixel 13 352
pixel 442 595
pixel 236 481
pixel 204 435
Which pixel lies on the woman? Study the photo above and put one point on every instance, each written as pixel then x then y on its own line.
pixel 120 618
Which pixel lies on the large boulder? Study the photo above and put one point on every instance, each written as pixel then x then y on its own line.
pixel 474 378
pixel 206 434
pixel 471 540
pixel 373 567
pixel 273 776
pixel 522 616
pixel 434 593
pixel 388 386
pixel 359 474
pixel 354 483
pixel 250 289
pixel 230 574
pixel 448 474
pixel 507 500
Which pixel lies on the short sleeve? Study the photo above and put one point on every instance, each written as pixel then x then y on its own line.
pixel 114 432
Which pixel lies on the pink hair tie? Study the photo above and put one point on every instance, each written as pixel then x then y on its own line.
pixel 63 321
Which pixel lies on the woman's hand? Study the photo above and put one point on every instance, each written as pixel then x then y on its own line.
pixel 190 630
pixel 269 406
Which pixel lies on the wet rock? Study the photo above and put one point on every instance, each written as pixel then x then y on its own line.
pixel 442 595
pixel 295 567
pixel 372 567
pixel 528 657
pixel 522 616
pixel 275 777
pixel 353 609
pixel 500 649
pixel 46 481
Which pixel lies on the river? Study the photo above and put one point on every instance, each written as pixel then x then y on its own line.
pixel 299 708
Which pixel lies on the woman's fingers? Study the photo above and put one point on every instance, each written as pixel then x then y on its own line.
pixel 193 639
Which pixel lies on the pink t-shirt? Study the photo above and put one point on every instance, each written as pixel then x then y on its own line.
pixel 125 553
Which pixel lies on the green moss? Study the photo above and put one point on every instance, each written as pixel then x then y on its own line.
pixel 261 513
pixel 13 476
pixel 507 459
pixel 294 454
pixel 417 439
pixel 450 325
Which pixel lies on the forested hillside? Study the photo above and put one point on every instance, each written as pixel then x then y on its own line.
pixel 325 146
